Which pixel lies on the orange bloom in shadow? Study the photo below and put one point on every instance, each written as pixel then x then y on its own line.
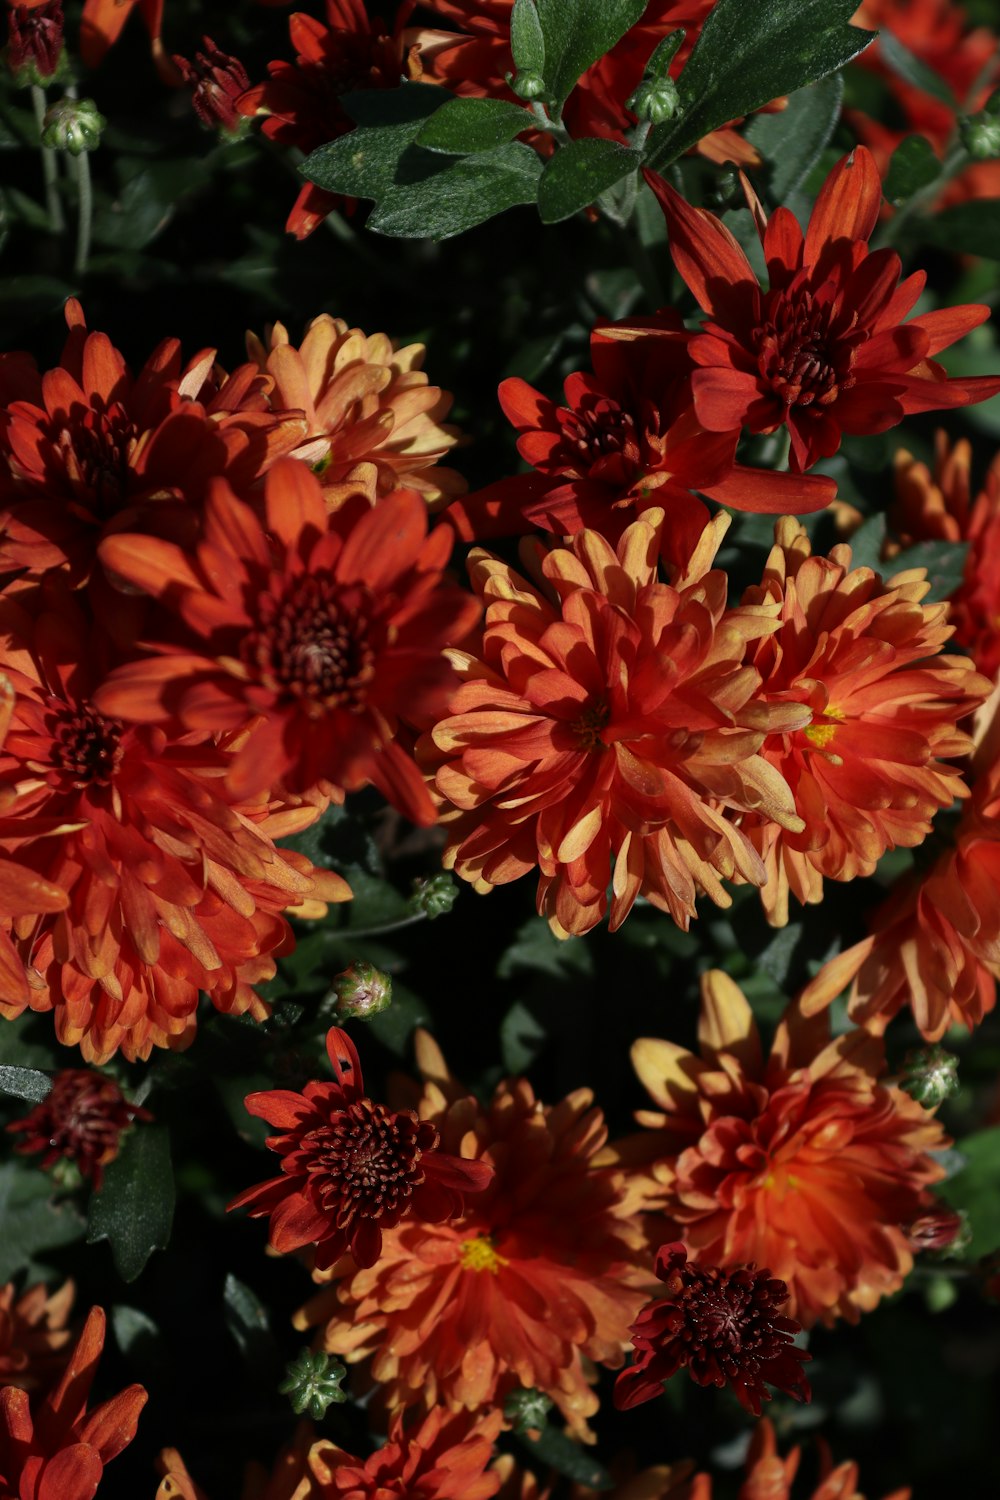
pixel 533 1285
pixel 608 718
pixel 373 422
pixel 802 1161
pixel 33 1334
pixel 869 771
pixel 444 1457
pixel 661 1482
pixel 771 1477
pixel 284 1481
pixel 56 1449
pixel 102 24
pixel 330 627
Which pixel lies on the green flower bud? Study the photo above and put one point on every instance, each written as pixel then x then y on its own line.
pixel 981 136
pixel 527 1409
pixel 73 125
pixel 362 991
pixel 656 99
pixel 312 1383
pixel 435 896
pixel 929 1075
pixel 527 85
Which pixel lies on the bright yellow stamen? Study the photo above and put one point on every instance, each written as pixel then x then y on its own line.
pixel 480 1255
pixel 821 734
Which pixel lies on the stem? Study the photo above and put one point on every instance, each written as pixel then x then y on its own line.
pixel 367 932
pixel 955 159
pixel 50 165
pixel 86 212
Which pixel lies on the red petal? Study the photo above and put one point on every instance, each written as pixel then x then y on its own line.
pixel 705 253
pixel 848 204
pixel 774 494
pixel 345 1062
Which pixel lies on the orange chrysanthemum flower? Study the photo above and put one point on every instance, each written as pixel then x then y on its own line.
pixel 662 1482
pixel 803 1161
pixel 287 1480
pixel 445 1457
pixel 373 422
pixel 56 1450
pixel 538 1279
pixel 102 24
pixel 175 887
pixel 869 772
pixel 608 717
pixel 770 1477
pixel 330 627
pixel 33 1334
pixel 937 504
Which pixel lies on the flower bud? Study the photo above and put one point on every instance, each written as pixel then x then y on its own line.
pixel 527 1410
pixel 944 1230
pixel 35 53
pixel 73 125
pixel 312 1383
pixel 527 85
pixel 362 991
pixel 216 81
pixel 981 136
pixel 434 896
pixel 929 1075
pixel 656 100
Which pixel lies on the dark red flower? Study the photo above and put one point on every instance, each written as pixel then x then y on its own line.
pixel 352 1168
pixel 723 1327
pixel 35 39
pixel 825 350
pixel 216 81
pixel 79 1120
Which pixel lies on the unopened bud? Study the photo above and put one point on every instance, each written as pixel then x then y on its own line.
pixel 312 1383
pixel 35 53
pixel 73 125
pixel 981 136
pixel 527 85
pixel 362 991
pixel 527 1410
pixel 943 1230
pixel 929 1075
pixel 435 896
pixel 655 100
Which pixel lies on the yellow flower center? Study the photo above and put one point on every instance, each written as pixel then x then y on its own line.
pixel 480 1255
pixel 822 733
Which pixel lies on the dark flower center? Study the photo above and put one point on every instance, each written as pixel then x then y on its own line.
pixel 366 1162
pixel 726 1319
pixel 797 352
pixel 587 728
pixel 87 746
pixel 598 430
pixel 96 451
pixel 314 644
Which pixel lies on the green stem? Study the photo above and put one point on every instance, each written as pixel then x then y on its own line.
pixel 50 165
pixel 86 212
pixel 367 932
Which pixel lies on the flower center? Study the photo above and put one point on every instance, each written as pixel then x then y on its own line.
pixel 588 727
pixel 96 451
pixel 366 1162
pixel 600 429
pixel 821 733
pixel 87 746
pixel 314 644
pixel 795 351
pixel 481 1254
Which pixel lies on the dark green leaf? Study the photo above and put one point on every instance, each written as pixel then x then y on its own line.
pixel 867 543
pixel 577 175
pixel 135 1207
pixel 464 126
pixel 914 165
pixel 527 44
pixel 148 200
pixel 24 1083
pixel 554 1450
pixel 664 53
pixel 445 198
pixel 247 1321
pixel 976 1188
pixel 912 71
pixel 363 163
pixel 32 1220
pixel 792 141
pixel 975 227
pixel 522 1038
pixel 394 1027
pixel 536 950
pixel 576 33
pixel 137 1336
pixel 944 561
pixel 750 52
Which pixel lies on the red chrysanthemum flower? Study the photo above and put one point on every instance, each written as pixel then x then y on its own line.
pixel 33 1334
pixel 35 39
pixel 300 101
pixel 539 1278
pixel 80 1120
pixel 445 1457
pixel 627 439
pixel 608 718
pixel 724 1328
pixel 937 504
pixel 870 770
pixel 352 1169
pixel 57 1450
pixel 825 350
pixel 329 626
pixel 102 24
pixel 216 80
pixel 803 1161
pixel 175 886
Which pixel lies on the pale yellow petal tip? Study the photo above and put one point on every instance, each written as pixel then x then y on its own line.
pixel 726 1018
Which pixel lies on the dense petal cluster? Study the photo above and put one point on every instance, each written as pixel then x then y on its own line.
pixel 33 1334
pixel 327 628
pixel 724 1328
pixel 608 718
pixel 871 768
pixel 447 1456
pixel 827 349
pixel 803 1161
pixel 539 1278
pixel 352 1169
pixel 80 1120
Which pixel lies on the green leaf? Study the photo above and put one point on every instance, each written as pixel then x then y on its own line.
pixel 536 950
pixel 363 163
pixel 135 1207
pixel 148 200
pixel 575 34
pixel 944 561
pixel 905 65
pixel 976 1188
pixel 793 140
pixel 554 1450
pixel 914 165
pixel 464 126
pixel 577 175
pixel 750 52
pixel 867 542
pixel 444 198
pixel 138 1337
pixel 24 1083
pixel 33 1221
pixel 247 1321
pixel 527 44
pixel 974 228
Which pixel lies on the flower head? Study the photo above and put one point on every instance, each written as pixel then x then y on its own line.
pixel 35 41
pixel 539 1277
pixel 33 1334
pixel 803 1161
pixel 825 350
pixel 80 1120
pixel 330 627
pixel 447 1456
pixel 724 1328
pixel 216 80
pixel 771 1477
pixel 352 1169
